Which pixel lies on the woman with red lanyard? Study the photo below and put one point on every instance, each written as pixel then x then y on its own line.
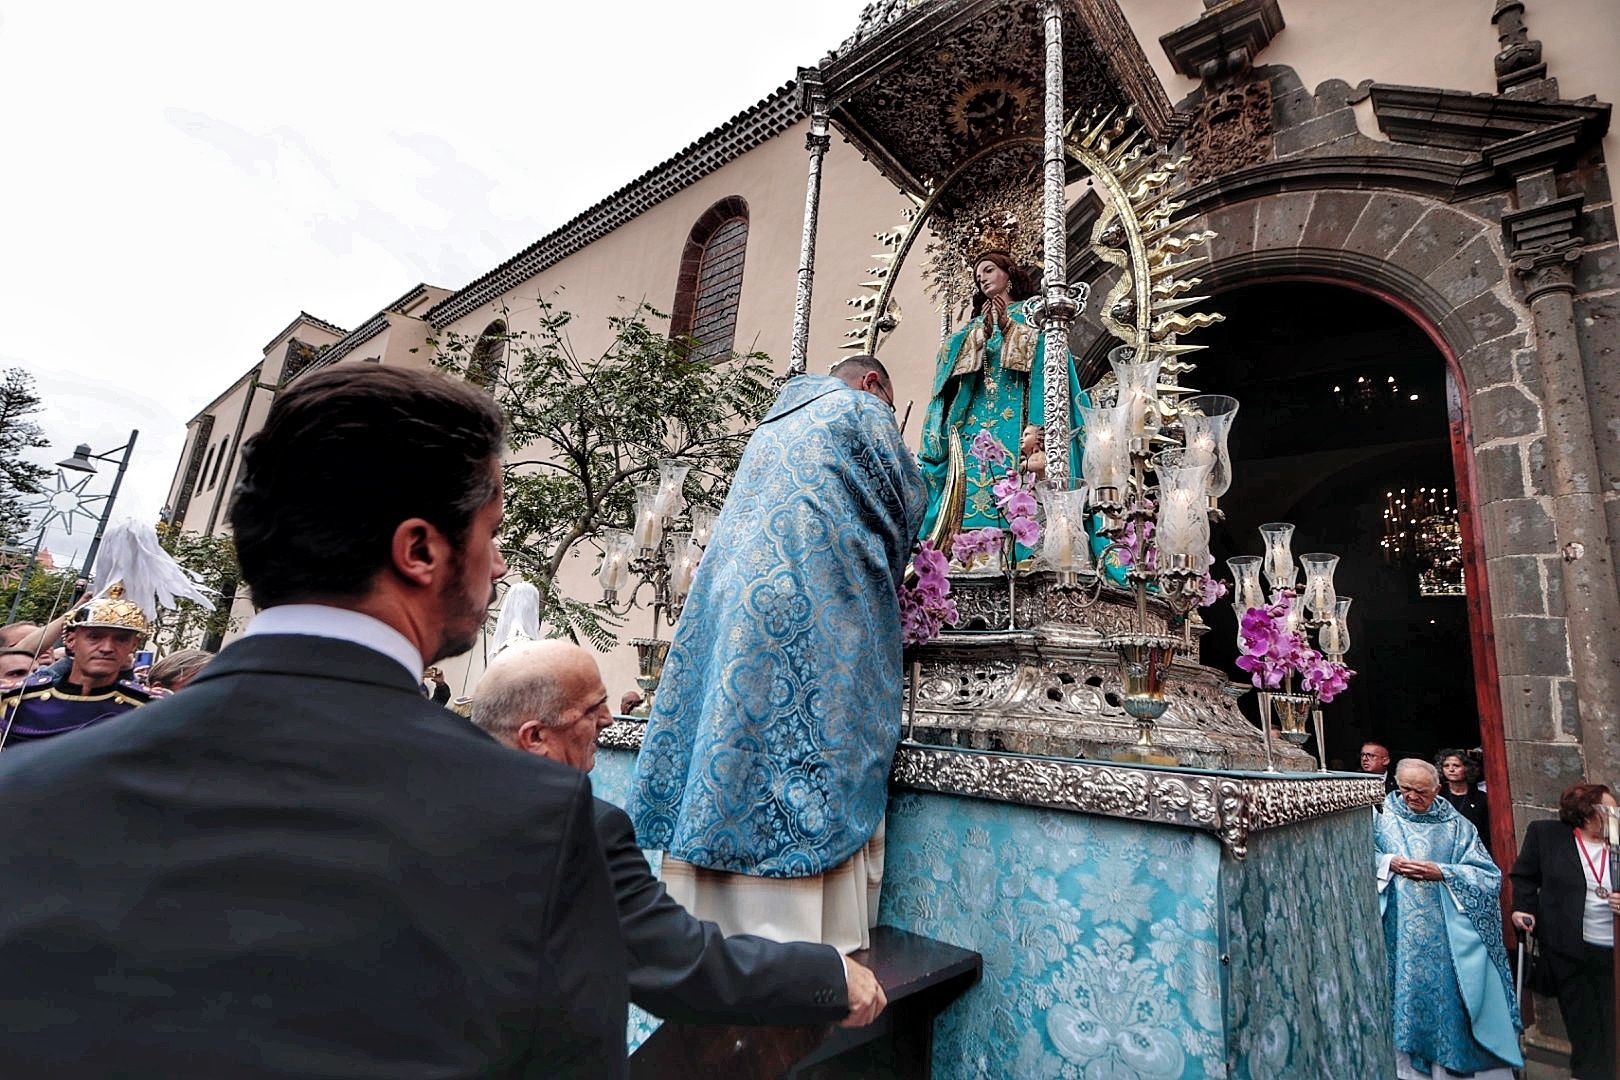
pixel 1562 894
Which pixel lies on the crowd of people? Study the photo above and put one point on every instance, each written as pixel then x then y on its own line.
pixel 299 864
pixel 303 863
pixel 1456 1008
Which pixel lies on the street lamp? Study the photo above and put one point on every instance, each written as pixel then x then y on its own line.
pixel 84 461
pixel 70 500
pixel 80 461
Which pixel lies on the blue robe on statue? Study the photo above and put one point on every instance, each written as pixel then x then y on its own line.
pixel 776 718
pixel 1453 993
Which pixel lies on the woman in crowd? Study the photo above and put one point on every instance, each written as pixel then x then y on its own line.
pixel 1562 893
pixel 170 674
pixel 1459 789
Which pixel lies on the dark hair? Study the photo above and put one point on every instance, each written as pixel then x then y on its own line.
pixel 1021 283
pixel 17 652
pixel 1580 802
pixel 346 454
pixel 862 362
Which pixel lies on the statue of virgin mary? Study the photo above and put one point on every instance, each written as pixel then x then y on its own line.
pixel 987 378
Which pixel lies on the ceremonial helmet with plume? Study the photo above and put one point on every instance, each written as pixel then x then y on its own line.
pixel 141 580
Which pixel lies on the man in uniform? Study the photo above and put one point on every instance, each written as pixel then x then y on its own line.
pixel 102 635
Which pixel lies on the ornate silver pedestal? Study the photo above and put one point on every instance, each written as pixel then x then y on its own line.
pixel 1055 690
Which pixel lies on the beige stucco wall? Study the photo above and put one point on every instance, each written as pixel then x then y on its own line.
pixel 1448 44
pixel 641 260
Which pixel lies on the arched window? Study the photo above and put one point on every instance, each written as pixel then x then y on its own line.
pixel 485 365
pixel 219 459
pixel 710 284
pixel 202 477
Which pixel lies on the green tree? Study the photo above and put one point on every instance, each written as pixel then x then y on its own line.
pixel 211 562
pixel 18 435
pixel 44 591
pixel 584 430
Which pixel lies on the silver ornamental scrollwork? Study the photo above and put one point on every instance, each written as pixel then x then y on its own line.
pixel 1233 808
pixel 622 735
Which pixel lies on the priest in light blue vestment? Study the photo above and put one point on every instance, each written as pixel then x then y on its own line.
pixel 1454 1005
pixel 768 750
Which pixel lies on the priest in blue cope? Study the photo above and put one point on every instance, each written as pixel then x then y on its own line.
pixel 764 770
pixel 1439 892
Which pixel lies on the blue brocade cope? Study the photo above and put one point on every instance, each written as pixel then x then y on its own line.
pixel 1453 992
pixel 775 721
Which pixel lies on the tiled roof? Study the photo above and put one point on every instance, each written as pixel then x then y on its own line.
pixel 366 330
pixel 748 129
pixel 304 316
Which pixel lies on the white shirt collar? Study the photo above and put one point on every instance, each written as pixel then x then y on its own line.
pixel 319 620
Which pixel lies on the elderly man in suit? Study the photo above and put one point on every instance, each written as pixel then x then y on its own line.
pixel 547 698
pixel 299 867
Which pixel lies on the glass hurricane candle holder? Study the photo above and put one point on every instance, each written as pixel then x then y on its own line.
pixel 1064 543
pixel 671 478
pixel 1182 536
pixel 1206 421
pixel 614 572
pixel 1281 572
pixel 1318 599
pixel 684 558
pixel 1105 462
pixel 649 527
pixel 1334 636
pixel 1247 589
pixel 1138 393
pixel 703 526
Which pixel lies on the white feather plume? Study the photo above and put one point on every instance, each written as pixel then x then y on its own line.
pixel 519 618
pixel 130 554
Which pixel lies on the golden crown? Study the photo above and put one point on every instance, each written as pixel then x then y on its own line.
pixel 1006 218
pixel 997 233
pixel 112 610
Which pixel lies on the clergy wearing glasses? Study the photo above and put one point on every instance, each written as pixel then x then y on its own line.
pixel 1439 892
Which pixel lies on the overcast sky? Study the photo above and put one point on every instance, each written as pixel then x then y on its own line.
pixel 182 178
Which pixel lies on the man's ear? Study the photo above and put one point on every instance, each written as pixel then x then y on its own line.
pixel 531 737
pixel 419 552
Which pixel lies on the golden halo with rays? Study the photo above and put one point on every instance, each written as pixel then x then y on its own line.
pixel 991 106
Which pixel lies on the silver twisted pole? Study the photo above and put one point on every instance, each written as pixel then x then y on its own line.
pixel 817 142
pixel 1058 306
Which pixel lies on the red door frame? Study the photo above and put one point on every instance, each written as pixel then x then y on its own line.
pixel 1481 632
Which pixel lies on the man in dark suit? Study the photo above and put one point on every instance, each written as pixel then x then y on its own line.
pixel 547 699
pixel 299 867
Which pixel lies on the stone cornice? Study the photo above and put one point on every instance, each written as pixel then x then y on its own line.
pixel 1464 121
pixel 1233 806
pixel 1226 37
pixel 1554 146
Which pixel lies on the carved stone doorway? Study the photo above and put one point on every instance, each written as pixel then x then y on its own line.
pixel 1346 401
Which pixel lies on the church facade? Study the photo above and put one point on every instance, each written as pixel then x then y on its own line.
pixel 1410 193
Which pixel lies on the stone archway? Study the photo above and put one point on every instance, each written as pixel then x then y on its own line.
pixel 1443 266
